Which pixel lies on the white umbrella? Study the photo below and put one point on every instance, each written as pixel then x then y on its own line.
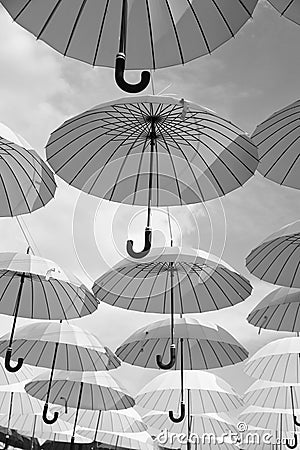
pixel 276 260
pixel 149 35
pixel 59 346
pixel 272 394
pixel 277 361
pixel 207 393
pixel 121 421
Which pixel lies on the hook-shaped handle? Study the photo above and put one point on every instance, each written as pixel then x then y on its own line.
pixel 146 249
pixel 172 361
pixel 8 365
pixel 46 419
pixel 119 77
pixel 180 417
pixel 294 445
pixel 296 421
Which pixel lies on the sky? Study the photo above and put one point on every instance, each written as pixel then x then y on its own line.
pixel 245 80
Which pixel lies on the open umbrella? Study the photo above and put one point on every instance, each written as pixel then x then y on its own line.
pixel 216 424
pixel 207 393
pixel 279 362
pixel 26 182
pixel 37 288
pixel 152 34
pixel 276 260
pixel 172 281
pixel 203 346
pixel 279 311
pixel 81 390
pixel 30 424
pixel 272 394
pixel 152 151
pixel 277 139
pixel 62 441
pixel 120 421
pixel 197 347
pixel 288 8
pixel 59 346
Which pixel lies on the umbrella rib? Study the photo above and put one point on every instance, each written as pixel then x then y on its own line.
pixel 21 10
pixel 216 353
pixel 150 34
pixel 46 23
pixel 124 160
pixel 180 292
pixel 199 26
pixel 296 316
pixel 117 297
pixel 282 154
pixel 6 195
pixel 269 123
pixel 192 286
pixel 138 171
pixel 72 288
pixel 100 33
pixel 49 283
pixel 282 317
pixel 223 17
pixel 79 13
pixel 207 288
pixel 155 278
pixel 175 32
pixel 173 167
pixel 13 175
pixel 202 353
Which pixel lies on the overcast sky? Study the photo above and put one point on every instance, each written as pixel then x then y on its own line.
pixel 245 80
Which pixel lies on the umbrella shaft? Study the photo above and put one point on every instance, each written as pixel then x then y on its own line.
pixel 123 29
pixel 17 307
pixel 152 148
pixel 77 410
pixel 10 411
pixel 52 372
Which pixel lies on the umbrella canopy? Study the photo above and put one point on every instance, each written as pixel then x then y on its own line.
pixel 122 421
pixel 106 152
pixel 268 418
pixel 7 378
pixel 279 311
pixel 268 394
pixel 37 288
pixel 153 151
pixel 64 346
pixel 27 183
pixel 204 346
pixel 277 361
pixel 277 139
pixel 288 8
pixel 207 393
pixel 200 282
pixel 100 390
pixel 135 441
pixel 216 424
pixel 276 260
pixel 30 424
pixel 20 403
pixel 48 291
pixel 60 440
pixel 152 34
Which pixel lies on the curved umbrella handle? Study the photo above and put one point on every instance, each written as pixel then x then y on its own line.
pixel 296 421
pixel 146 249
pixel 8 365
pixel 119 77
pixel 180 417
pixel 294 445
pixel 172 361
pixel 46 419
